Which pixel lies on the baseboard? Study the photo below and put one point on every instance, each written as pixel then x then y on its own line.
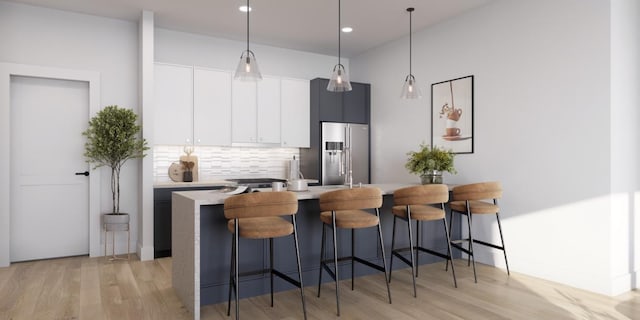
pixel 624 283
pixel 144 253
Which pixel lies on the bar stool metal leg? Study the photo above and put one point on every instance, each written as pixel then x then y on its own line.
pixel 236 276
pixel 271 268
pixel 295 239
pixel 412 252
pixel 322 256
pixel 384 259
pixel 471 253
pixel 504 249
pixel 418 244
pixel 449 251
pixel 393 245
pixel 446 267
pixel 353 250
pixel 335 259
pixel 231 278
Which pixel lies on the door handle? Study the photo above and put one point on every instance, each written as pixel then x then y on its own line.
pixel 86 173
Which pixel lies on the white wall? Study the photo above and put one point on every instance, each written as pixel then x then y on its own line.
pixel 44 37
pixel 625 116
pixel 193 49
pixel 542 126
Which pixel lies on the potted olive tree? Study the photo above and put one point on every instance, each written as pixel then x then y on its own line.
pixel 429 163
pixel 112 139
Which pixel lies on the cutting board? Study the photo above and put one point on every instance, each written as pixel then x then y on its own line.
pixel 176 169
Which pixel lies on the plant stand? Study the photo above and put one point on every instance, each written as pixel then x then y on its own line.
pixel 114 223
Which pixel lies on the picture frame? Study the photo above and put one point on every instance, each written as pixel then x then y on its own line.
pixel 452 115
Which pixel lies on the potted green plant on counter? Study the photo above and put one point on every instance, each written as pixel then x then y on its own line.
pixel 429 162
pixel 112 139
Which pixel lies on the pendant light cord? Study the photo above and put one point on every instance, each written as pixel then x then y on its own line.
pixel 339 24
pixel 248 10
pixel 410 42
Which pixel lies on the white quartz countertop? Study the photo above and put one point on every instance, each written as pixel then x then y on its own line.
pixel 207 183
pixel 213 197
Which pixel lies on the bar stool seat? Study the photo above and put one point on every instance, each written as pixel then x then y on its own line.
pixel 350 219
pixel 419 212
pixel 262 228
pixel 477 207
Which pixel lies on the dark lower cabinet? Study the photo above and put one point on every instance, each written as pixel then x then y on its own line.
pixel 162 219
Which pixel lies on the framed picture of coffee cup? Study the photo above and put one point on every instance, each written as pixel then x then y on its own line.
pixel 452 114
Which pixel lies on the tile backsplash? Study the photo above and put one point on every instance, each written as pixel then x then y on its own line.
pixel 216 163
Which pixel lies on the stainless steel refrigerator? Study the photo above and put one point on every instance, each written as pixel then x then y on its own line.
pixel 345 153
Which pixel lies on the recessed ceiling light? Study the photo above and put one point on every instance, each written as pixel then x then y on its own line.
pixel 347 29
pixel 244 8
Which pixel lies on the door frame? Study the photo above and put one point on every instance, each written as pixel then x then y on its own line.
pixel 11 69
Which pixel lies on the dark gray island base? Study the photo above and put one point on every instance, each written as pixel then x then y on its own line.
pixel 206 281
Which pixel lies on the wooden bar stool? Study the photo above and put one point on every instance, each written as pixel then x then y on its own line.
pixel 258 216
pixel 346 209
pixel 477 199
pixel 419 203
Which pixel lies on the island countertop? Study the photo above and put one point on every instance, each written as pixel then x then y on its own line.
pixel 214 197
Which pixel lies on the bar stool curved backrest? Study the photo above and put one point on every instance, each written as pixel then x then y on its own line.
pixel 258 216
pixel 419 203
pixel 474 199
pixel 346 209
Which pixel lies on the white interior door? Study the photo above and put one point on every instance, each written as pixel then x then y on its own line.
pixel 49 202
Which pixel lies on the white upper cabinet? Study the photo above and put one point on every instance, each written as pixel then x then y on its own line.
pixel 192 105
pixel 294 108
pixel 173 111
pixel 211 107
pixel 208 107
pixel 256 111
pixel 244 111
pixel 269 110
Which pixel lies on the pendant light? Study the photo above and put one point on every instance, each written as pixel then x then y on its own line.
pixel 247 69
pixel 410 90
pixel 339 81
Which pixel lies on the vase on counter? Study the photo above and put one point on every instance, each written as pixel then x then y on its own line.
pixel 431 177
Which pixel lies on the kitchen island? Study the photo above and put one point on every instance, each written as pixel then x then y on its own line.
pixel 202 246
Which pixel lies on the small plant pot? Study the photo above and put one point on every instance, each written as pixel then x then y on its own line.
pixel 431 177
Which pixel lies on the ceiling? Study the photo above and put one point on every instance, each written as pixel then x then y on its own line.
pixel 306 25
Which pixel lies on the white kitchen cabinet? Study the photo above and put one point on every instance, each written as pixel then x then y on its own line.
pixel 192 105
pixel 269 110
pixel 173 110
pixel 244 111
pixel 294 108
pixel 211 107
pixel 256 111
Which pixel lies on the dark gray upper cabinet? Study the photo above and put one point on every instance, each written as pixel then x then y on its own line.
pixel 352 106
pixel 356 103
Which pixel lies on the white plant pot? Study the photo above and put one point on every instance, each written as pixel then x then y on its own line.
pixel 116 222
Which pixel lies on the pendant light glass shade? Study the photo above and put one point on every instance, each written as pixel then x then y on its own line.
pixel 410 90
pixel 247 69
pixel 339 81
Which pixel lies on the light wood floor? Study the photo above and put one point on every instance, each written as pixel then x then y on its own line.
pixel 92 288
